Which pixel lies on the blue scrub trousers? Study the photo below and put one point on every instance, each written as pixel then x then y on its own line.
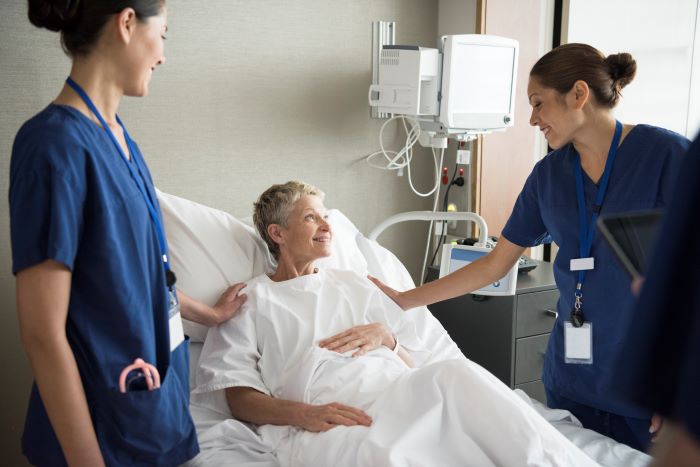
pixel 633 432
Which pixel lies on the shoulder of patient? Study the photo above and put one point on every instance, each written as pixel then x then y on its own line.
pixel 347 276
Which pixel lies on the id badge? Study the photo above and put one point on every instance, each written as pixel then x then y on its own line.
pixel 177 335
pixel 582 264
pixel 578 343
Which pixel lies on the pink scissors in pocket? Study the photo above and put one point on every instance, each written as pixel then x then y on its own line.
pixel 143 370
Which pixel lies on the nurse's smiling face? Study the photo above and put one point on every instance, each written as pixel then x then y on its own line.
pixel 145 51
pixel 555 114
pixel 307 236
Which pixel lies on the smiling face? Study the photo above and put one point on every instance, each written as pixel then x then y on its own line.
pixel 557 115
pixel 307 236
pixel 145 51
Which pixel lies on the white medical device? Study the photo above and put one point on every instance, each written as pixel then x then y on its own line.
pixel 464 88
pixel 413 74
pixel 457 256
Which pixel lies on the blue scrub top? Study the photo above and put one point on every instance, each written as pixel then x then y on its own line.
pixel 665 333
pixel 73 200
pixel 546 210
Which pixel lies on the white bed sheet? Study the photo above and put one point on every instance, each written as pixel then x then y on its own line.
pixel 210 249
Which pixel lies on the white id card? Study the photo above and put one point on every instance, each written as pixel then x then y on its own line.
pixel 582 264
pixel 177 334
pixel 578 343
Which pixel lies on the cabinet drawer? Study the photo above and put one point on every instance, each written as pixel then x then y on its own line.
pixel 529 358
pixel 534 389
pixel 535 313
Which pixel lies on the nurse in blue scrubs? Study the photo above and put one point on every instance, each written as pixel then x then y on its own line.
pixel 94 286
pixel 598 165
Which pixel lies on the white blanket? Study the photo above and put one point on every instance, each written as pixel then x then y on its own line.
pixel 447 412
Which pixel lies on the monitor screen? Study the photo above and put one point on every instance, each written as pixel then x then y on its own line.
pixel 478 82
pixel 484 77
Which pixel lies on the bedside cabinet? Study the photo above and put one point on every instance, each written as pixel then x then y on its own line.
pixel 506 335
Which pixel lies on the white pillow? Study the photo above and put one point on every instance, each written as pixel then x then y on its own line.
pixel 209 251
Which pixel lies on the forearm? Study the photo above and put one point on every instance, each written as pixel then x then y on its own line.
pixel 467 279
pixel 57 377
pixel 394 345
pixel 474 276
pixel 252 406
pixel 193 310
pixel 227 305
pixel 406 357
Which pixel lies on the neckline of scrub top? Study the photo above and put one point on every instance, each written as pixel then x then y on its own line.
pixel 131 162
pixel 619 148
pixel 76 111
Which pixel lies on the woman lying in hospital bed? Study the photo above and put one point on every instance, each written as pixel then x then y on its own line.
pixel 321 360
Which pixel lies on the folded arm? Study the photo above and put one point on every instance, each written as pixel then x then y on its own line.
pixel 250 405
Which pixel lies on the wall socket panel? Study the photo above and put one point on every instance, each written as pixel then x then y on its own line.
pixel 464 156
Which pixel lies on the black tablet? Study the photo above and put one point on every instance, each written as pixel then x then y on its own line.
pixel 631 236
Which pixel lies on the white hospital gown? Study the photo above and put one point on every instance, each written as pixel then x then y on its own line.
pixel 451 412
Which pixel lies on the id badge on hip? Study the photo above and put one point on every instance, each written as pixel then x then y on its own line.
pixel 177 335
pixel 578 343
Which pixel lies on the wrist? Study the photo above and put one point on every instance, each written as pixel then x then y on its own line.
pixel 391 342
pixel 407 300
pixel 299 414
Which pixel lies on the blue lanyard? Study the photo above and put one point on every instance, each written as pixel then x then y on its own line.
pixel 136 175
pixel 586 231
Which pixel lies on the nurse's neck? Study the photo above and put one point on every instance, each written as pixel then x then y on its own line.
pixel 97 77
pixel 592 142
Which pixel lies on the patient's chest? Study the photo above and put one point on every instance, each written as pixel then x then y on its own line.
pixel 292 318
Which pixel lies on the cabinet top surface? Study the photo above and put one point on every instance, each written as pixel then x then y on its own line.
pixel 540 278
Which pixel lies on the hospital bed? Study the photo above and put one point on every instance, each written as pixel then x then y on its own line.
pixel 211 250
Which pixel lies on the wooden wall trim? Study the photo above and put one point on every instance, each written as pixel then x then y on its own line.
pixel 476 158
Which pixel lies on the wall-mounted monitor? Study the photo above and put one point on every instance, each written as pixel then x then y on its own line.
pixel 478 82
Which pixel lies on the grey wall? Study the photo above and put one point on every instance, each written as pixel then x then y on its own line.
pixel 252 93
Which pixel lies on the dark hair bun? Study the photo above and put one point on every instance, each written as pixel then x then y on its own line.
pixel 54 15
pixel 623 68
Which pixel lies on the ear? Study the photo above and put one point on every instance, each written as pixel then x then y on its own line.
pixel 275 232
pixel 126 24
pixel 581 94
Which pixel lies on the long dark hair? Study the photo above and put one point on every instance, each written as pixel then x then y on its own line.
pixel 606 76
pixel 81 21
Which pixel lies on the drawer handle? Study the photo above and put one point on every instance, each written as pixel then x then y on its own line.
pixel 552 313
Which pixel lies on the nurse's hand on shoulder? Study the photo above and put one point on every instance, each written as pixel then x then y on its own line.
pixel 395 295
pixel 225 308
pixel 229 303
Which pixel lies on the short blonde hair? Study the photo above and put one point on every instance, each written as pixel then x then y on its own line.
pixel 274 205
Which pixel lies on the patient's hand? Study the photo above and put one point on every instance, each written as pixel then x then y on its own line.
pixel 395 295
pixel 363 338
pixel 324 417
